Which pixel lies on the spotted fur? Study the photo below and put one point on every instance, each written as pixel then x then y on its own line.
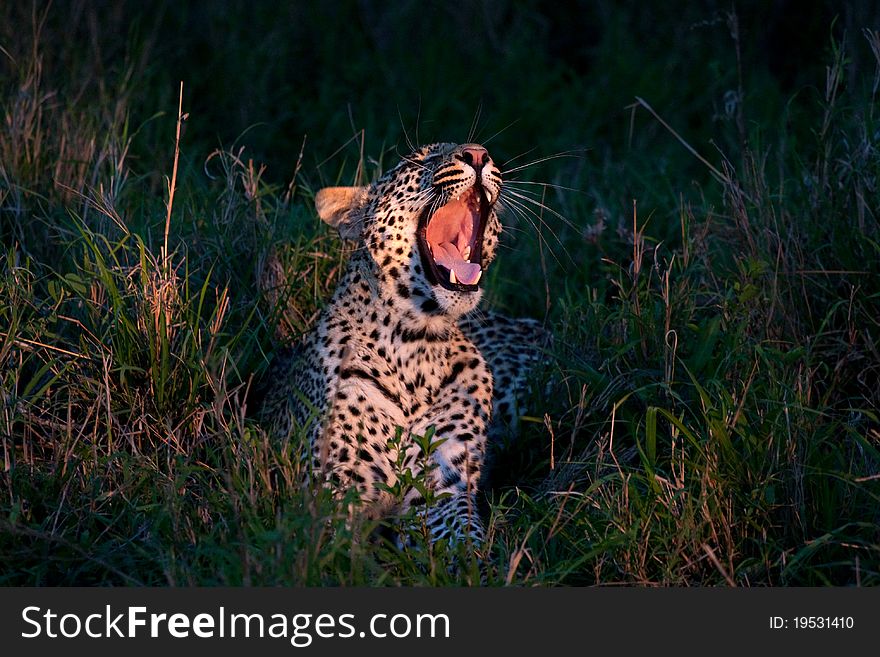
pixel 397 350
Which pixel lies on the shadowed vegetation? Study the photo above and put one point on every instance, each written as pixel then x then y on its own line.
pixel 698 228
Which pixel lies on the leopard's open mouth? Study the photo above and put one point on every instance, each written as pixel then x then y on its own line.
pixel 451 241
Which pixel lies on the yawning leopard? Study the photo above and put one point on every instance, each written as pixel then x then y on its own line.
pixel 401 346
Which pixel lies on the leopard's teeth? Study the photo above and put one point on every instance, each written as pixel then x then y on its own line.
pixel 452 278
pixel 477 279
pixel 466 253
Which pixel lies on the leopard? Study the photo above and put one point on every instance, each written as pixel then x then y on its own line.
pixel 403 351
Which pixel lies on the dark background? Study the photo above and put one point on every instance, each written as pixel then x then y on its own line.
pixel 551 76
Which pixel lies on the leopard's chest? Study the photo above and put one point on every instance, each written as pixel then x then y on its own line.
pixel 412 373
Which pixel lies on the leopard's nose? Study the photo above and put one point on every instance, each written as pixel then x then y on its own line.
pixel 475 155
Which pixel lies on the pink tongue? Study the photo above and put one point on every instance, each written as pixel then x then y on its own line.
pixel 449 256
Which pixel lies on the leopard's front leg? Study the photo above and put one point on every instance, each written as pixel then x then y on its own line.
pixel 460 416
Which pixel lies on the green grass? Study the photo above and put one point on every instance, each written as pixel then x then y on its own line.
pixel 708 415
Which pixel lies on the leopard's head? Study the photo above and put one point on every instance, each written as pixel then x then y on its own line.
pixel 429 225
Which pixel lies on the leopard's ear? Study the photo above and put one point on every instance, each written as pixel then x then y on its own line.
pixel 342 208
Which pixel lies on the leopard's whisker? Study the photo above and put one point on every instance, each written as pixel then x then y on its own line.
pixel 516 157
pixel 533 201
pixel 435 203
pixel 523 211
pixel 475 123
pixel 409 143
pixel 515 229
pixel 512 123
pixel 515 183
pixel 572 153
pixel 408 159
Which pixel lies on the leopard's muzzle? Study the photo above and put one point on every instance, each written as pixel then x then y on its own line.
pixel 451 238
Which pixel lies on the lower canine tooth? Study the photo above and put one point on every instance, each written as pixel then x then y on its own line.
pixel 477 279
pixel 452 278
